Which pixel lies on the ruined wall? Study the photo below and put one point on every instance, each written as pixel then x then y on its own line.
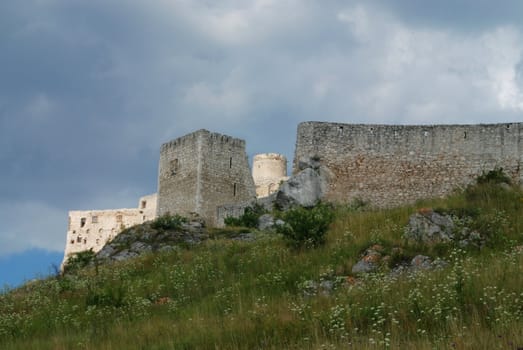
pixel 201 171
pixel 392 164
pixel 268 171
pixel 92 229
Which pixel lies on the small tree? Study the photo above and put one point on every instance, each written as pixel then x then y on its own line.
pixel 168 222
pixel 306 226
pixel 248 219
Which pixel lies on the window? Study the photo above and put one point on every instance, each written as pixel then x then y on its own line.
pixel 144 204
pixel 118 218
pixel 94 219
pixel 79 239
pixel 234 190
pixel 82 222
pixel 175 165
pixel 230 162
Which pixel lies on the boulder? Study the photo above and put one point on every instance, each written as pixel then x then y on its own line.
pixel 421 262
pixel 369 262
pixel 304 189
pixel 429 227
pixel 267 222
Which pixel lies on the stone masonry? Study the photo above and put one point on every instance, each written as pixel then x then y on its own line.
pixel 390 165
pixel 207 174
pixel 201 171
pixel 268 171
pixel 92 229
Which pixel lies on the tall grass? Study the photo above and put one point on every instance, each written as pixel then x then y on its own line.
pixel 227 294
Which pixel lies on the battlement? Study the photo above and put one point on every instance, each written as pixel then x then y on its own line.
pixel 203 133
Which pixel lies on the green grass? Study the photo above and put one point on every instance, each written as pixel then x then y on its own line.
pixel 226 294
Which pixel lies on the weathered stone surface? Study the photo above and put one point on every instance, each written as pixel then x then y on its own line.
pixel 369 262
pixel 304 189
pixel 421 262
pixel 144 239
pixel 92 229
pixel 268 170
pixel 201 171
pixel 267 222
pixel 390 165
pixel 363 266
pixel 245 237
pixel 430 227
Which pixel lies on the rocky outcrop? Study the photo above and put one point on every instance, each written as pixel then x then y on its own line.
pixel 370 260
pixel 428 226
pixel 306 188
pixel 145 238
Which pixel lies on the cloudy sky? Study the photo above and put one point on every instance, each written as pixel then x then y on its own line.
pixel 90 89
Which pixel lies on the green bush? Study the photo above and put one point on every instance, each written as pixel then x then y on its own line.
pixel 248 219
pixel 495 176
pixel 79 260
pixel 306 226
pixel 168 222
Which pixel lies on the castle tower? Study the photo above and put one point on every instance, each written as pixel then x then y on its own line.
pixel 268 170
pixel 201 171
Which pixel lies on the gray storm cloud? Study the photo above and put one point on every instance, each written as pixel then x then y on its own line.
pixel 90 90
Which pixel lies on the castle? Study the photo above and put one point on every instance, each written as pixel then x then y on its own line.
pixel 207 174
pixel 198 173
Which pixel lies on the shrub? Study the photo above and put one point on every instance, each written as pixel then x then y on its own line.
pixel 168 222
pixel 306 226
pixel 249 218
pixel 495 176
pixel 79 260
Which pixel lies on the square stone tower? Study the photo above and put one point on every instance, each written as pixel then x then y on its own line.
pixel 201 171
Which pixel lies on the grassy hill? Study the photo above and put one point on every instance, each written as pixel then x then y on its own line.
pixel 265 294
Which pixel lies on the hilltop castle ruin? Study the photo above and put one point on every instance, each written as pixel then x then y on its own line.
pixel 207 174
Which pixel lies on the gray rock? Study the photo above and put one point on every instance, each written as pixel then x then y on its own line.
pixel 265 222
pixel 106 252
pixel 326 287
pixel 363 266
pixel 421 262
pixel 304 189
pixel 429 227
pixel 124 255
pixel 246 237
pixel 140 247
pixel 167 248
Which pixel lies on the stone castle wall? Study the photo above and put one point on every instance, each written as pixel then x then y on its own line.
pixel 92 229
pixel 268 171
pixel 201 171
pixel 392 164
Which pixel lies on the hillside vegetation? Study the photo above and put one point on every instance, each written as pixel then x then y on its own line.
pixel 269 294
